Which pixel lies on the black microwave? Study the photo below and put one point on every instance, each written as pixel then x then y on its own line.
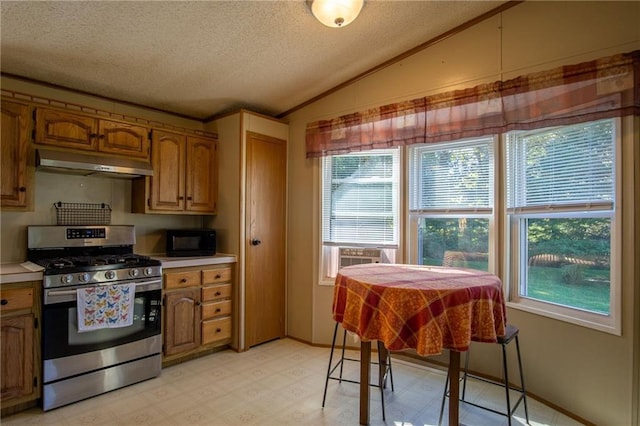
pixel 191 242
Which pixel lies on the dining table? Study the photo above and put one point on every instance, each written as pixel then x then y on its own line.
pixel 422 308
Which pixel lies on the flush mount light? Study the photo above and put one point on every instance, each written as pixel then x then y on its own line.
pixel 336 13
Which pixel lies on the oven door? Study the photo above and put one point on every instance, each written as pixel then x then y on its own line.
pixel 60 335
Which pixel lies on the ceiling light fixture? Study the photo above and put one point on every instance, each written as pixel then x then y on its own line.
pixel 336 13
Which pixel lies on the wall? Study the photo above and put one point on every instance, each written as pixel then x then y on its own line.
pixel 586 372
pixel 51 187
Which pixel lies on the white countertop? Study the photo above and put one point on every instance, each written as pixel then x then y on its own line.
pixel 20 272
pixel 180 262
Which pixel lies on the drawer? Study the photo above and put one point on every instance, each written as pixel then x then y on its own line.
pixel 16 298
pixel 216 329
pixel 219 275
pixel 216 309
pixel 215 292
pixel 181 279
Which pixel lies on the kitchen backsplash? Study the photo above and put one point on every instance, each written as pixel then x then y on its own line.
pixel 54 187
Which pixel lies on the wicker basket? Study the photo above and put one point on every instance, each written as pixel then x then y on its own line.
pixel 82 213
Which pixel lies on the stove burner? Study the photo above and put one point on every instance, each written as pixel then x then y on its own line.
pixel 57 263
pixel 88 261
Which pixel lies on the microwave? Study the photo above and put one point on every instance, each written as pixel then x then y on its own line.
pixel 191 242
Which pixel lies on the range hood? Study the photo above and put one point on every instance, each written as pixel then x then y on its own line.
pixel 90 165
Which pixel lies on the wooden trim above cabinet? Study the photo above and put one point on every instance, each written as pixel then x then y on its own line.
pixel 35 100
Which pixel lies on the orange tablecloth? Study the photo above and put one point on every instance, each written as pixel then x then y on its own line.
pixel 426 308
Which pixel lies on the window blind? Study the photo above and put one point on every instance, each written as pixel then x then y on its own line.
pixel 455 177
pixel 360 198
pixel 564 166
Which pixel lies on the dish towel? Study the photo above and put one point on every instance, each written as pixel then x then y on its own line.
pixel 105 306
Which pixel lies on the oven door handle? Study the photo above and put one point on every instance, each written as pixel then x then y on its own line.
pixel 53 293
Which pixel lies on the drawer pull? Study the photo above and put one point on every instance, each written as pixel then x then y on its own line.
pixel 4 302
pixel 184 280
pixel 217 293
pixel 218 330
pixel 218 276
pixel 218 310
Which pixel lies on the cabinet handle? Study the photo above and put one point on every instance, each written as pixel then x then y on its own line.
pixel 218 277
pixel 101 136
pixel 189 198
pixel 198 303
pixel 256 242
pixel 180 198
pixel 184 280
pixel 3 302
pixel 93 135
pixel 22 189
pixel 218 310
pixel 218 330
pixel 217 293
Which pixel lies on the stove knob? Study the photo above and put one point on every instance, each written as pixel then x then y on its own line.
pixel 66 279
pixel 109 275
pixel 134 272
pixel 148 271
pixel 84 277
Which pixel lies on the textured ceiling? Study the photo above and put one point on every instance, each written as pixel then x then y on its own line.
pixel 204 58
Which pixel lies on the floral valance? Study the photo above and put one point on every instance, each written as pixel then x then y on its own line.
pixel 603 88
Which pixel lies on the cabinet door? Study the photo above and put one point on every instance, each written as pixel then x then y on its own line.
pixel 16 343
pixel 167 182
pixel 15 149
pixel 202 175
pixel 123 139
pixel 66 130
pixel 182 316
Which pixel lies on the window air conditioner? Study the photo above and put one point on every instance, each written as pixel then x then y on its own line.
pixel 357 256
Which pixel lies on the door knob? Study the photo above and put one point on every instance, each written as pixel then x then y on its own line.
pixel 255 242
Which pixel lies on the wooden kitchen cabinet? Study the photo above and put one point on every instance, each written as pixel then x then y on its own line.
pixel 197 310
pixel 182 329
pixel 19 350
pixel 70 130
pixel 17 182
pixel 185 176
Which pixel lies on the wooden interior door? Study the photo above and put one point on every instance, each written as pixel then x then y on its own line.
pixel 265 239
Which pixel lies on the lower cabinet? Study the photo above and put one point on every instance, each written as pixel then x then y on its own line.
pixel 182 330
pixel 18 349
pixel 197 310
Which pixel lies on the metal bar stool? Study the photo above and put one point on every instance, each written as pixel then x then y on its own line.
pixel 511 333
pixel 384 369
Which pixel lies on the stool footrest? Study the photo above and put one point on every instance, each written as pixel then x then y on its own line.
pixel 340 379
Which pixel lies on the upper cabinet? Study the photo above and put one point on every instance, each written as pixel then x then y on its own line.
pixel 16 182
pixel 83 132
pixel 201 183
pixel 185 176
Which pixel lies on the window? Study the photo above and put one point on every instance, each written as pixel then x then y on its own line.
pixel 451 202
pixel 561 209
pixel 360 204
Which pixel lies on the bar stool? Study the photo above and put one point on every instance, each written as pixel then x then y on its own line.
pixel 511 333
pixel 384 369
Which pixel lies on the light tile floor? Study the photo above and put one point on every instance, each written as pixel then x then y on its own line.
pixel 278 383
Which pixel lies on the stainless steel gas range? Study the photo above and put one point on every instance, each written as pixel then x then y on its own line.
pixel 79 363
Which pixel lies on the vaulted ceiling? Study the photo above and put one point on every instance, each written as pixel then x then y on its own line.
pixel 203 58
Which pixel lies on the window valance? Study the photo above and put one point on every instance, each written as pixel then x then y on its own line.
pixel 603 88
